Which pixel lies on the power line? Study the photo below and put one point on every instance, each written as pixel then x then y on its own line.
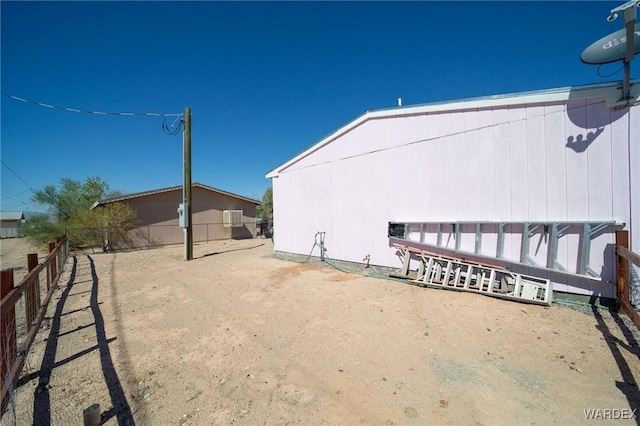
pixel 170 130
pixel 125 114
pixel 16 175
pixel 54 203
pixel 13 197
pixel 16 195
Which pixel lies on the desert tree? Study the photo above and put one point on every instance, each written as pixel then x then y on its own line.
pixel 104 226
pixel 70 205
pixel 265 210
pixel 40 229
pixel 71 196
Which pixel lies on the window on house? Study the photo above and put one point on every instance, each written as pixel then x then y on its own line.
pixel 232 218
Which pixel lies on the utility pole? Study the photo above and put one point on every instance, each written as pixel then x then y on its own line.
pixel 188 232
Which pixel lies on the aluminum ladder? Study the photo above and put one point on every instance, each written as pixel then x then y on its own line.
pixel 438 271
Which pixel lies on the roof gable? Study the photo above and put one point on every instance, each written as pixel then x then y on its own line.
pixel 609 91
pixel 11 215
pixel 172 188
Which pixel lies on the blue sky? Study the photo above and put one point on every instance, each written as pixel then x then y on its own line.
pixel 264 80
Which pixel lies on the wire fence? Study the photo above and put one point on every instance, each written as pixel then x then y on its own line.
pixel 634 285
pixel 109 238
pixel 628 284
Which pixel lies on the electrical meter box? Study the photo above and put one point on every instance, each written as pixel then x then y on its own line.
pixel 183 215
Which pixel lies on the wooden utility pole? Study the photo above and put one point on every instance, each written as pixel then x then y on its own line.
pixel 188 236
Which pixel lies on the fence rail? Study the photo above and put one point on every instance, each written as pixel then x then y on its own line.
pixel 23 309
pixel 626 261
pixel 158 235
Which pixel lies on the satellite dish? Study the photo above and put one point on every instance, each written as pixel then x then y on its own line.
pixel 611 48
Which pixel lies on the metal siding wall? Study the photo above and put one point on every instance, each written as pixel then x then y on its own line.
pixel 556 176
pixel 349 237
pixel 600 192
pixel 634 166
pixel 537 179
pixel 518 166
pixel 536 167
pixel 504 182
pixel 302 207
pixel 512 164
pixel 372 132
pixel 576 168
pixel 323 155
pixel 599 163
pixel 281 210
pixel 577 178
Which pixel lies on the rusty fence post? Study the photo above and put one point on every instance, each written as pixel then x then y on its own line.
pixel 7 325
pixel 54 269
pixel 60 253
pixel 32 295
pixel 622 284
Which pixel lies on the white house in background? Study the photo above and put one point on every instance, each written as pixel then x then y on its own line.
pixel 9 223
pixel 547 157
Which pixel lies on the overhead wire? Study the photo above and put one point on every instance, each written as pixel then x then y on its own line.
pixel 16 175
pixel 9 197
pixel 13 196
pixel 124 114
pixel 170 130
pixel 53 201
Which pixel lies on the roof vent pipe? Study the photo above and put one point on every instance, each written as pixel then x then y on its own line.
pixel 399 102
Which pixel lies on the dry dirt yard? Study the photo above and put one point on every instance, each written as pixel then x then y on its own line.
pixel 238 336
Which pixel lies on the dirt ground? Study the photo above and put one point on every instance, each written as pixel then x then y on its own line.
pixel 238 336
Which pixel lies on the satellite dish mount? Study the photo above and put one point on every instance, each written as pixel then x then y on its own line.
pixel 621 45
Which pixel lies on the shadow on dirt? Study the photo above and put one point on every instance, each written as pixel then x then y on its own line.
pixel 229 251
pixel 628 386
pixel 42 399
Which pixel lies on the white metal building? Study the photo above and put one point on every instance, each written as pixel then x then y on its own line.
pixel 552 156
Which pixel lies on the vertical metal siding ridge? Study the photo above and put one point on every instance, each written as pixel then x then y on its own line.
pixel 598 90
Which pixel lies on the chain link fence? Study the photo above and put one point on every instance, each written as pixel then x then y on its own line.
pixel 158 235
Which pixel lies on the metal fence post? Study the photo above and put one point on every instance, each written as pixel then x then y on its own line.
pixel 32 295
pixel 54 269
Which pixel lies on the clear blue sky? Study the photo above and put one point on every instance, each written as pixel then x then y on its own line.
pixel 264 80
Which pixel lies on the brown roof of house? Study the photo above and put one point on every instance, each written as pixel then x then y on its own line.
pixel 171 188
